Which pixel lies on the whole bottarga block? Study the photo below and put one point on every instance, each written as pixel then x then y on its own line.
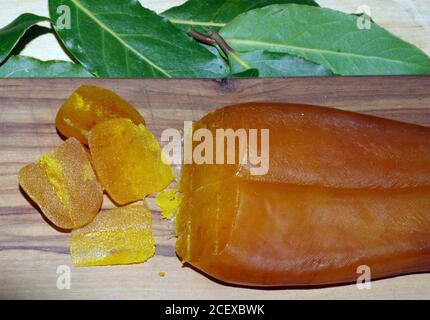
pixel 342 190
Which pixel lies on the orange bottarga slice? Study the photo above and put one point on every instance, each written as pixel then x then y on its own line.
pixel 90 105
pixel 64 185
pixel 343 190
pixel 128 160
pixel 117 236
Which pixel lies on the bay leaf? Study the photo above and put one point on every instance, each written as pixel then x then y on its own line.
pixel 215 14
pixel 324 36
pixel 14 31
pixel 27 67
pixel 122 39
pixel 246 73
pixel 276 64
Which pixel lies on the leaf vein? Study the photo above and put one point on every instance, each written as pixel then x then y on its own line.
pixel 264 45
pixel 124 43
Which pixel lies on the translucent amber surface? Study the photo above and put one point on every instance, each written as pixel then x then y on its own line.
pixel 343 190
pixel 64 185
pixel 118 236
pixel 90 105
pixel 168 201
pixel 127 160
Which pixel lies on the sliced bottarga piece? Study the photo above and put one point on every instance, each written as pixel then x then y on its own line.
pixel 64 185
pixel 342 190
pixel 118 236
pixel 128 160
pixel 90 105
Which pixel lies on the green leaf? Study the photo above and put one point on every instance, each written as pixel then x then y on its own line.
pixel 122 39
pixel 215 14
pixel 275 64
pixel 27 67
pixel 248 73
pixel 326 37
pixel 14 31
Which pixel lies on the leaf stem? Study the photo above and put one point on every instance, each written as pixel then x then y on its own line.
pixel 220 41
pixel 213 38
pixel 236 57
pixel 200 37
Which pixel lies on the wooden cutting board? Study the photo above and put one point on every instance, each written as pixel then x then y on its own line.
pixel 31 250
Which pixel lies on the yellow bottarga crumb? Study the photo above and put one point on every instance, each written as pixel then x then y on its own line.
pixel 80 103
pixel 162 274
pixel 55 174
pixel 169 202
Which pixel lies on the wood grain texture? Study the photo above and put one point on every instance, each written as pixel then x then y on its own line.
pixel 31 250
pixel 408 19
